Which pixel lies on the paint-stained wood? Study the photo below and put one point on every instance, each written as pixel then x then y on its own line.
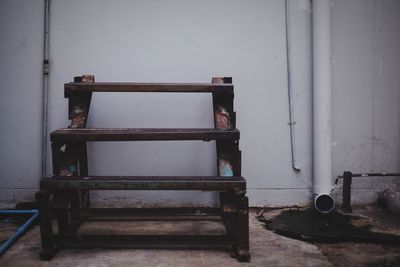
pixel 135 134
pixel 71 88
pixel 206 183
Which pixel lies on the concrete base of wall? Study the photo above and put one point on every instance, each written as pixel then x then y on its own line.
pixel 258 197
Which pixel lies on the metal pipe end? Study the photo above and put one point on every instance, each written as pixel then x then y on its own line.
pixel 296 168
pixel 324 203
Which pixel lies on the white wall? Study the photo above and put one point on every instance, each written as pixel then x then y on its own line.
pixel 366 98
pixel 191 41
pixel 21 53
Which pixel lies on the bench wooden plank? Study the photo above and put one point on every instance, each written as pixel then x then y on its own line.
pixel 70 88
pixel 131 134
pixel 145 241
pixel 206 183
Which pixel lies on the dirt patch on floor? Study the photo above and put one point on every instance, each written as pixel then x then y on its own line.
pixel 361 254
pixel 367 237
pixel 309 225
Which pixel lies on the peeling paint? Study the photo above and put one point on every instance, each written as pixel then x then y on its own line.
pixel 217 80
pixel 222 119
pixel 78 117
pixel 69 168
pixel 87 78
pixel 225 168
pixel 66 172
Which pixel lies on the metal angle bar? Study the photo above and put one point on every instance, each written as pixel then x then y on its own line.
pixel 382 174
pixel 71 88
pixel 199 211
pixel 110 241
pixel 172 217
pixel 371 174
pixel 140 184
pixel 66 135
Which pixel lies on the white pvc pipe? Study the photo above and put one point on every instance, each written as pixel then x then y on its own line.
pixel 322 114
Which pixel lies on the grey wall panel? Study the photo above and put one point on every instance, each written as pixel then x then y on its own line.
pixel 21 24
pixel 366 66
pixel 191 41
pixel 181 41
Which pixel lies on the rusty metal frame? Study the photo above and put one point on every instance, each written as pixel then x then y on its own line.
pixel 65 195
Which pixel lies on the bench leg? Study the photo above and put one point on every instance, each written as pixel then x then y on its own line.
pixel 235 214
pixel 224 206
pixel 67 206
pixel 76 217
pixel 49 248
pixel 83 171
pixel 61 206
pixel 240 230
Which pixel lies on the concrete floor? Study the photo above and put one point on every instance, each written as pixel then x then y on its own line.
pixel 267 249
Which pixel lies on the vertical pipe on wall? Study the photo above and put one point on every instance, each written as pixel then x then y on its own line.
pixel 292 123
pixel 322 113
pixel 45 83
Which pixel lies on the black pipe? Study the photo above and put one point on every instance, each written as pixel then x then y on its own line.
pixel 347 180
pixel 370 174
pixel 374 174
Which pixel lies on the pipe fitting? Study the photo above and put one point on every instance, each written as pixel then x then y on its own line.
pixel 324 203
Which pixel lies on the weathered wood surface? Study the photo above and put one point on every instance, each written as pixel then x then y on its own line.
pixel 208 183
pixel 137 134
pixel 70 88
